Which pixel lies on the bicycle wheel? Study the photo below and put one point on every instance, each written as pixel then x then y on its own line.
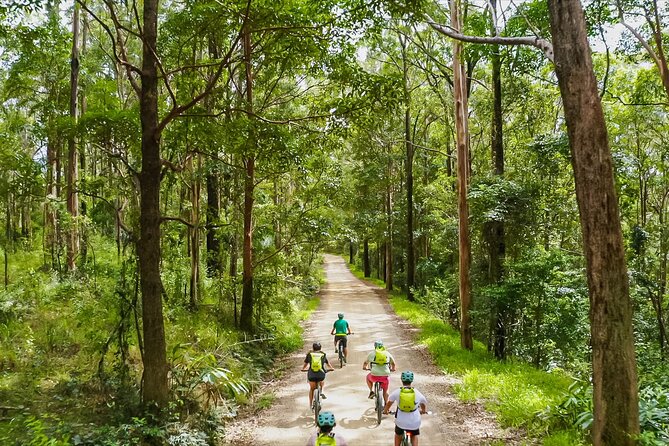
pixel 379 402
pixel 317 403
pixel 341 355
pixel 406 440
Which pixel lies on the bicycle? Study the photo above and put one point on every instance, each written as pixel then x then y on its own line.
pixel 407 436
pixel 340 353
pixel 378 399
pixel 316 401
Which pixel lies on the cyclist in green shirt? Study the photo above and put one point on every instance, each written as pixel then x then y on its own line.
pixel 340 329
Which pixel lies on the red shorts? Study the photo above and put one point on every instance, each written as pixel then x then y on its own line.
pixel 384 380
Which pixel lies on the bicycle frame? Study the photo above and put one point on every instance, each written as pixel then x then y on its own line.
pixel 340 352
pixel 378 401
pixel 316 403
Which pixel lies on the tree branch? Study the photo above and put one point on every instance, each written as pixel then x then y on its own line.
pixel 542 44
pixel 130 68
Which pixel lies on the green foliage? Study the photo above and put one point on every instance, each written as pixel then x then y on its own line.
pixel 514 391
pixel 654 413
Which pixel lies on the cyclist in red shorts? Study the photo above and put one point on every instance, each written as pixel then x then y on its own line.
pixel 380 363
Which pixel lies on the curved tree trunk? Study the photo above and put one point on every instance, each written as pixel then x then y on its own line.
pixel 616 408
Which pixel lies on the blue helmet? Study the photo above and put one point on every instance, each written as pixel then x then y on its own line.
pixel 326 419
pixel 407 376
pixel 378 343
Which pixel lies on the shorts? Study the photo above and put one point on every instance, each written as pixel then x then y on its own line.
pixel 384 380
pixel 399 431
pixel 341 339
pixel 315 376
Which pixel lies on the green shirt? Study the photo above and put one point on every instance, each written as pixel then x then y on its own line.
pixel 341 326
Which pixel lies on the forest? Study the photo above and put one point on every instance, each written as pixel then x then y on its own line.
pixel 172 173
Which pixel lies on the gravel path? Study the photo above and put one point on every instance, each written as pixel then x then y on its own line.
pixel 289 421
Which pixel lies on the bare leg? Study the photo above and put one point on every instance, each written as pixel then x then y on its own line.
pixel 414 440
pixel 369 383
pixel 398 439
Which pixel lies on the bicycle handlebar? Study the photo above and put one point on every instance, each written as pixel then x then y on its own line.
pixel 393 412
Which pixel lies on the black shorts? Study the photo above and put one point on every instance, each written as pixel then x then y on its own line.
pixel 400 431
pixel 315 376
pixel 341 339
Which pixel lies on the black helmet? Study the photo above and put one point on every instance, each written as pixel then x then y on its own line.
pixel 316 345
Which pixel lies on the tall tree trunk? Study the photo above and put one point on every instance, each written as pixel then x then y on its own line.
pixel 365 258
pixel 389 227
pixel 496 244
pixel 460 97
pixel 615 397
pixel 51 192
pixel 277 222
pixel 234 257
pixel 212 215
pixel 72 174
pixel 83 236
pixel 8 236
pixel 411 261
pixel 148 249
pixel 195 233
pixel 246 317
pixel 213 212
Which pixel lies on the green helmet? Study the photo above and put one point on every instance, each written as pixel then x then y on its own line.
pixel 407 376
pixel 326 419
pixel 340 315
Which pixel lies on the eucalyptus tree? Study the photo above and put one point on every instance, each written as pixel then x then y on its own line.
pixel 36 56
pixel 638 133
pixel 646 21
pixel 616 415
pixel 72 170
pixel 121 27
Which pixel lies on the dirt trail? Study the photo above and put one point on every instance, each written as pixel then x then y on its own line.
pixel 290 422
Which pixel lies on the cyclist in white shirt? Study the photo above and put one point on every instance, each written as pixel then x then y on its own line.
pixel 410 405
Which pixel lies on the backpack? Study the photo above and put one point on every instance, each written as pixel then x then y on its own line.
pixel 326 440
pixel 407 402
pixel 317 361
pixel 381 357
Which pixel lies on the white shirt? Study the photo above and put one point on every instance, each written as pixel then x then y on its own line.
pixel 338 438
pixel 408 420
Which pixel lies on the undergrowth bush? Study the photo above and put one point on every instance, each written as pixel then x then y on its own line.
pixel 69 345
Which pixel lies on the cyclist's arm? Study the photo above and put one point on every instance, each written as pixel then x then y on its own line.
pixel 392 364
pixel 386 408
pixel 332 331
pixel 305 366
pixel 423 408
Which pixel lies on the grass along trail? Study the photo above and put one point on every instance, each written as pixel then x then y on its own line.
pixel 289 420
